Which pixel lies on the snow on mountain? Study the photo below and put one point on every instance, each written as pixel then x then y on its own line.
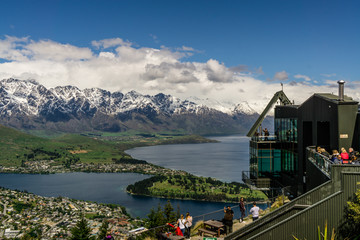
pixel 27 97
pixel 30 105
pixel 229 107
pixel 244 108
pixel 225 107
pixel 31 98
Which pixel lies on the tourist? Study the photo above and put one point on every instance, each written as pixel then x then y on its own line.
pixel 181 224
pixel 353 155
pixel 242 209
pixel 228 219
pixel 338 160
pixel 324 152
pixel 266 133
pixel 334 156
pixel 255 211
pixel 318 149
pixel 188 224
pixel 344 156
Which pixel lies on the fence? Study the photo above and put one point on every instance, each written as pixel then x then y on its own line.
pixel 215 215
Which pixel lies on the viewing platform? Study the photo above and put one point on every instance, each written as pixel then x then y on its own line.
pixel 325 202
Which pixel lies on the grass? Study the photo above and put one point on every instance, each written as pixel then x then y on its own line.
pixel 190 186
pixel 16 146
pixel 98 147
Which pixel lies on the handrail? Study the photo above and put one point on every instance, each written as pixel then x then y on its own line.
pixel 296 215
pixel 322 162
pixel 305 199
pixel 264 138
pixel 269 219
pixel 197 218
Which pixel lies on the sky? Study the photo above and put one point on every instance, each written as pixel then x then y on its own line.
pixel 225 51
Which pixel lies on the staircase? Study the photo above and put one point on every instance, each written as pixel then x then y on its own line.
pixel 302 216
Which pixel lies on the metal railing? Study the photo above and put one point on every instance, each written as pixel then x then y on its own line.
pixel 254 182
pixel 271 138
pixel 215 215
pixel 322 162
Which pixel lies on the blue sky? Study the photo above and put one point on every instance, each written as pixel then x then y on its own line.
pixel 311 43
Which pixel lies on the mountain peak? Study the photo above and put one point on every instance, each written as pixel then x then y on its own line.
pixel 28 104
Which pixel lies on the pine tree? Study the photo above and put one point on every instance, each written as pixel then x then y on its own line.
pixel 169 212
pixel 103 230
pixel 160 220
pixel 81 231
pixel 155 218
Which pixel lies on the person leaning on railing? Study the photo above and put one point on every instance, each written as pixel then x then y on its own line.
pixel 324 152
pixel 228 219
pixel 335 157
pixel 354 156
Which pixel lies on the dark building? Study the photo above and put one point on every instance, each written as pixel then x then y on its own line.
pixel 289 160
pixel 278 161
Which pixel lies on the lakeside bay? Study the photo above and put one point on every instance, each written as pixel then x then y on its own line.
pixel 110 187
pixel 224 160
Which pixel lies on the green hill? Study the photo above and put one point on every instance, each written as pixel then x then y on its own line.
pixel 16 147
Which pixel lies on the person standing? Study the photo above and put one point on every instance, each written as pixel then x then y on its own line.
pixel 266 134
pixel 228 219
pixel 344 156
pixel 181 224
pixel 255 211
pixel 242 209
pixel 188 224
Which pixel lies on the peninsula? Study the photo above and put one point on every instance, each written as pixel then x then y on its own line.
pixel 104 153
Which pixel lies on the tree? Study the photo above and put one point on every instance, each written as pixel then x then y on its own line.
pixel 169 212
pixel 81 231
pixel 350 225
pixel 103 230
pixel 155 218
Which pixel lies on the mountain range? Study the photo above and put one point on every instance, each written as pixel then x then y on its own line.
pixel 28 105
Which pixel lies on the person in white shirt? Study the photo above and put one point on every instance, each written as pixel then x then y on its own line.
pixel 181 224
pixel 255 211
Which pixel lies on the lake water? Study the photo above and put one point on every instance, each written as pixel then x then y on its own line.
pixel 224 160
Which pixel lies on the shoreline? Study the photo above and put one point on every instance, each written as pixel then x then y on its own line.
pixel 47 167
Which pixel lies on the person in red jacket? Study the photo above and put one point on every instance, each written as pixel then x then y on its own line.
pixel 344 156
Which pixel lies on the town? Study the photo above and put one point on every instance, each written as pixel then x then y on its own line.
pixel 51 167
pixel 53 217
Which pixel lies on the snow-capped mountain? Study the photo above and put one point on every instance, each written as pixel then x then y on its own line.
pixel 28 104
pixel 244 108
pixel 31 98
pixel 225 106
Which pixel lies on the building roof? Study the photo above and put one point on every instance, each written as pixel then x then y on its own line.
pixel 335 98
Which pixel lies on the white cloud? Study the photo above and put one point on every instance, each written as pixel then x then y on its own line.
pixel 299 76
pixel 147 70
pixel 11 48
pixel 111 42
pixel 49 50
pixel 282 76
pixel 185 48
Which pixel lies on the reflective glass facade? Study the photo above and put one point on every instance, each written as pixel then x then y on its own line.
pixel 286 129
pixel 271 158
pixel 265 158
